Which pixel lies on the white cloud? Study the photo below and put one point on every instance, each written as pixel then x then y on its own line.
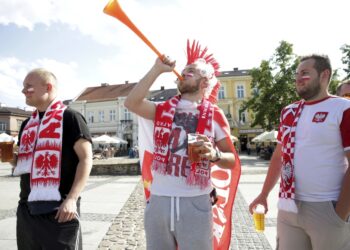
pixel 239 33
pixel 13 71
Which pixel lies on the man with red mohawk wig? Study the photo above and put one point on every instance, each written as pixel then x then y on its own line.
pixel 179 212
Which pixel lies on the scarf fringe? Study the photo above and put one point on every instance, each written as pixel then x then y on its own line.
pixel 159 167
pixel 42 192
pixel 287 205
pixel 201 181
pixel 24 169
pixel 198 180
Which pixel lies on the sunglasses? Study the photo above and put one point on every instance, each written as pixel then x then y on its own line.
pixel 347 95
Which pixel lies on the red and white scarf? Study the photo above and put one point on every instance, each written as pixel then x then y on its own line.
pixel 200 172
pixel 289 121
pixel 40 153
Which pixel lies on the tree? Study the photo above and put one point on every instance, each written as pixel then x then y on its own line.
pixel 273 87
pixel 346 59
pixel 334 82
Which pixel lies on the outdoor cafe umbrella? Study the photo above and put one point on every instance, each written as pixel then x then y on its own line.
pixel 258 137
pixel 120 141
pixel 105 139
pixel 270 136
pixel 266 136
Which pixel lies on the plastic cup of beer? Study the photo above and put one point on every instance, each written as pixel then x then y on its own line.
pixel 6 151
pixel 259 218
pixel 193 156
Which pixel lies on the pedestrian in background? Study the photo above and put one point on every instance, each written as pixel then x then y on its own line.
pixel 343 89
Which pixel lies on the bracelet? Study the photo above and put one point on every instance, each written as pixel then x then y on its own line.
pixel 217 155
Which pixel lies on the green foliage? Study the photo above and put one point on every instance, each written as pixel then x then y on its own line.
pixel 346 59
pixel 334 83
pixel 273 87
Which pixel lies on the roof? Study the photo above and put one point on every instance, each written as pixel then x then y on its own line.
pixel 161 94
pixel 105 92
pixel 14 111
pixel 235 72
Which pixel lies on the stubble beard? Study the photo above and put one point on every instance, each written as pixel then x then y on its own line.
pixel 309 92
pixel 185 88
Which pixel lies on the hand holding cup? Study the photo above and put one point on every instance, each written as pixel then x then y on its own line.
pixel 259 218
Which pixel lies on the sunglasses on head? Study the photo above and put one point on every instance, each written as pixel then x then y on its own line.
pixel 347 95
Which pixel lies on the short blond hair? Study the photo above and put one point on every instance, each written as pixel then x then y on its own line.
pixel 45 75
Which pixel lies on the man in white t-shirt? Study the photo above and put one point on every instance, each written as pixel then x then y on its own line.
pixel 179 212
pixel 312 157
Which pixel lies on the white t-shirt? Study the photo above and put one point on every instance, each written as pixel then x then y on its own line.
pixel 322 136
pixel 173 183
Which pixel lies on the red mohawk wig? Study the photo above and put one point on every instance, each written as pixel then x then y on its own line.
pixel 195 52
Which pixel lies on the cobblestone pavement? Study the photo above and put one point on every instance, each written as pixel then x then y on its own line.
pixel 126 226
pixel 127 232
pixel 244 236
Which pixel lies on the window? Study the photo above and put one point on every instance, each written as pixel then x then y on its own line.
pixel 240 91
pixel 127 114
pixel 3 126
pixel 221 94
pixel 112 115
pixel 255 91
pixel 101 116
pixel 242 117
pixel 91 117
pixel 19 123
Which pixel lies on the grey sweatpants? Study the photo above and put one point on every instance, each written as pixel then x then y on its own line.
pixel 183 221
pixel 315 227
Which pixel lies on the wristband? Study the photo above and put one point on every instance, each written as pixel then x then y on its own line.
pixel 217 155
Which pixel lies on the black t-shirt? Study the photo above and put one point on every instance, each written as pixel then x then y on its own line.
pixel 74 128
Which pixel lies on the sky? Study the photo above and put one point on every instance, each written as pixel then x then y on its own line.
pixel 84 47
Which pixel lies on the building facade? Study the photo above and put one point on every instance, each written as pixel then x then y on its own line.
pixel 103 108
pixel 11 119
pixel 235 89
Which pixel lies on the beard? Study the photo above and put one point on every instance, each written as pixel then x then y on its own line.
pixel 310 91
pixel 185 88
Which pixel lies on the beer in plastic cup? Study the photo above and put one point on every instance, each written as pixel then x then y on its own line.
pixel 192 155
pixel 259 218
pixel 6 151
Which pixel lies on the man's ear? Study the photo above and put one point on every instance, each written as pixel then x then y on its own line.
pixel 326 74
pixel 49 87
pixel 204 83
